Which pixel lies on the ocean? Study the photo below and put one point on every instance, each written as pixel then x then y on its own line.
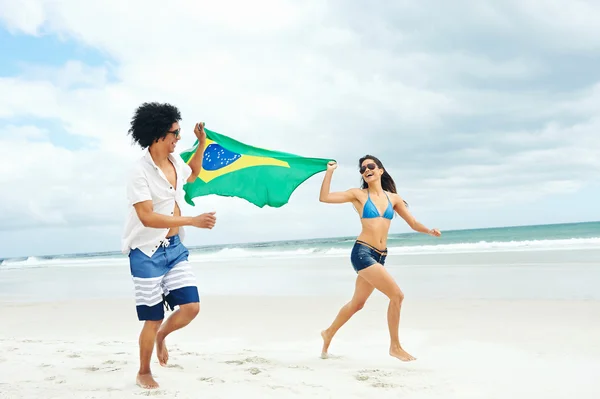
pixel 530 262
pixel 497 239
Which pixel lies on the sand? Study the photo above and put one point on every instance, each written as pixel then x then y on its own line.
pixel 269 347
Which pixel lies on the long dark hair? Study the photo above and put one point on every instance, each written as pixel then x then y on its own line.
pixel 387 183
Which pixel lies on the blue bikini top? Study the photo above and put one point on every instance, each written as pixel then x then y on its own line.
pixel 370 211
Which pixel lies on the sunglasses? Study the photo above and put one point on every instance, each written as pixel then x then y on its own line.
pixel 363 168
pixel 175 132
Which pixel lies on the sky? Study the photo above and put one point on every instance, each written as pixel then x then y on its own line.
pixel 485 113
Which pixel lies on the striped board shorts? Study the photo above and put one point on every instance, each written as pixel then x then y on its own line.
pixel 165 279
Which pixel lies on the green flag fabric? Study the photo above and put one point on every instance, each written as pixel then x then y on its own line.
pixel 234 169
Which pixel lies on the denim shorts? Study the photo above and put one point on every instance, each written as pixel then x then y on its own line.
pixel 364 255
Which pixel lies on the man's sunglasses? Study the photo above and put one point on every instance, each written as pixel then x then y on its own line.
pixel 363 168
pixel 175 132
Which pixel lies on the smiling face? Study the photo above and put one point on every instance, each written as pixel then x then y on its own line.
pixel 170 140
pixel 370 171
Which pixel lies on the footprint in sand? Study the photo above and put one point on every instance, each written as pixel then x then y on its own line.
pixel 90 369
pixel 375 377
pixel 276 387
pixel 299 367
pixel 306 384
pixel 74 355
pixel 236 362
pixel 54 378
pixel 211 380
pixel 380 384
pixel 253 359
pixel 119 362
pixel 174 366
pixel 191 354
pixel 256 359
pixel 45 365
pixel 375 372
pixel 152 392
pixel 254 371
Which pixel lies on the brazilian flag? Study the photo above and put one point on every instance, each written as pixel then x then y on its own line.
pixel 234 169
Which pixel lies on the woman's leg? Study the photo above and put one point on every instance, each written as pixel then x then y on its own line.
pixel 379 278
pixel 362 291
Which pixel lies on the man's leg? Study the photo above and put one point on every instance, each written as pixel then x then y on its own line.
pixel 147 274
pixel 179 319
pixel 180 286
pixel 147 339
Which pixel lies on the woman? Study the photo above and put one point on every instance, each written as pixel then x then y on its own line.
pixel 375 202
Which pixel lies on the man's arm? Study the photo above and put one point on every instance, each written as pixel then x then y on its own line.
pixel 149 218
pixel 402 210
pixel 139 195
pixel 196 162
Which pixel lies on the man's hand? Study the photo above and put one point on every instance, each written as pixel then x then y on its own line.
pixel 196 162
pixel 205 220
pixel 199 132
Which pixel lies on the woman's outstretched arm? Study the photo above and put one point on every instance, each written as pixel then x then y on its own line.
pixel 405 214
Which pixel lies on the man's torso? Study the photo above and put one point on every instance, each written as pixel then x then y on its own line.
pixel 165 186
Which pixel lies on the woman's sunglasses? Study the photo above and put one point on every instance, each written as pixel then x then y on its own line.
pixel 363 168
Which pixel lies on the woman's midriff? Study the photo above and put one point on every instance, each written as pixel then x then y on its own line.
pixel 374 232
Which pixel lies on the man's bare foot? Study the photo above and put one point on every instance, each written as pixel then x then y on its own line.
pixel 401 354
pixel 326 341
pixel 161 350
pixel 146 381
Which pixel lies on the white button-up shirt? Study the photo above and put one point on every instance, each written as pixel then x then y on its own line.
pixel 148 182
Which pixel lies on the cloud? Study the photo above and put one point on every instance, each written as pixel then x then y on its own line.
pixel 486 105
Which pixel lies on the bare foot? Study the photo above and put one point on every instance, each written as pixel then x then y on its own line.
pixel 326 341
pixel 401 354
pixel 146 381
pixel 161 350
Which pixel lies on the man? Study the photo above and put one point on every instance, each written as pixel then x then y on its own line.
pixel 154 231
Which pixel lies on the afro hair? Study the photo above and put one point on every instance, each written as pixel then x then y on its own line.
pixel 152 121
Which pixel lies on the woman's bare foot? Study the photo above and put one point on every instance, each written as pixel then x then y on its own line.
pixel 398 352
pixel 326 341
pixel 161 350
pixel 146 381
